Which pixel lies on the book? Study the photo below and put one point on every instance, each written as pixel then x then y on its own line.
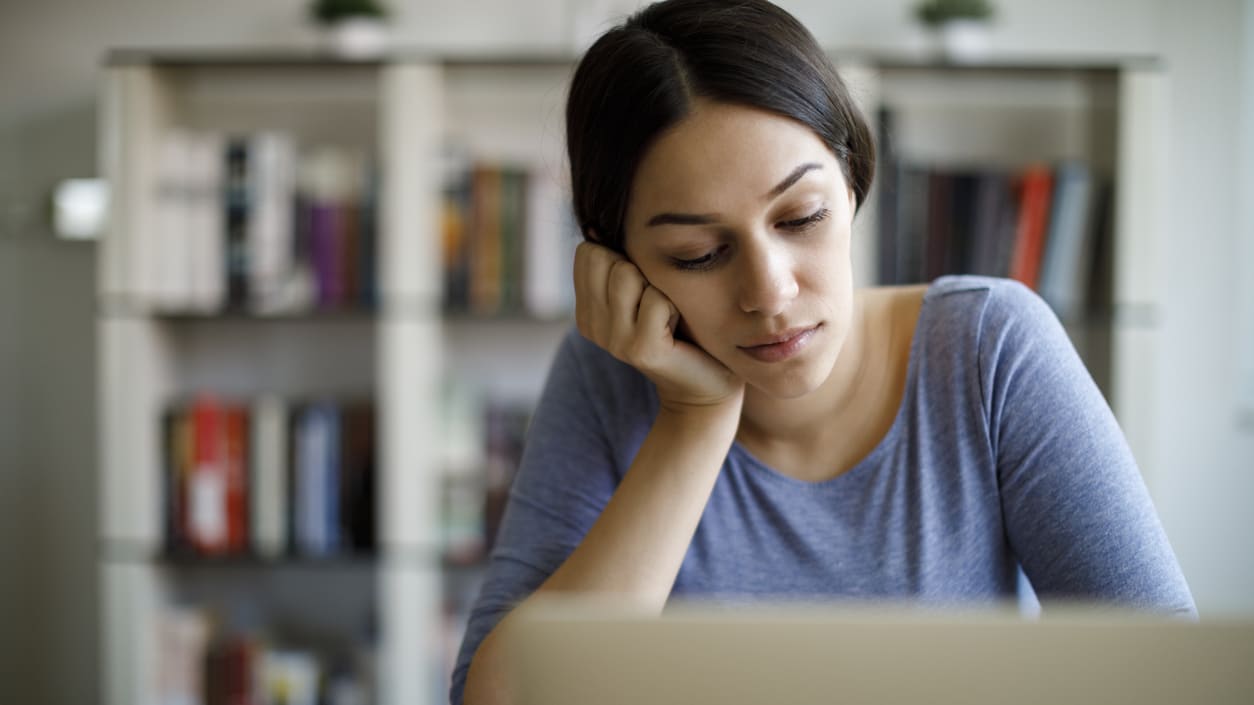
pixel 238 201
pixel 485 241
pixel 993 228
pixel 357 478
pixel 888 196
pixel 937 244
pixel 235 455
pixel 912 229
pixel 1035 192
pixel 1064 280
pixel 550 236
pixel 269 226
pixel 208 529
pixel 269 476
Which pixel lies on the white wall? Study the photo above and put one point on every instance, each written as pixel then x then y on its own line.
pixel 1205 498
pixel 47 388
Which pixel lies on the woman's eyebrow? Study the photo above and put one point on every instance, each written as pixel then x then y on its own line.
pixel 791 179
pixel 706 219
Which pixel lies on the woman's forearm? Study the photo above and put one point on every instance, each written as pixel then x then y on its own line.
pixel 637 545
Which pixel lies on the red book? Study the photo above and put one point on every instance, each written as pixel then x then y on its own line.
pixel 236 458
pixel 206 487
pixel 1036 190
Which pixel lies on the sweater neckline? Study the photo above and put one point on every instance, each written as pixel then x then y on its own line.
pixel 885 443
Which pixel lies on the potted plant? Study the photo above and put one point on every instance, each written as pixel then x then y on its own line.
pixel 355 29
pixel 961 26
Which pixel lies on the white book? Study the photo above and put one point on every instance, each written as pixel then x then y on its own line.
pixel 549 257
pixel 270 492
pixel 183 637
pixel 270 229
pixel 207 233
pixel 169 248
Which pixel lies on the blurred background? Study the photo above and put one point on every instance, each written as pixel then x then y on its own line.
pixel 273 455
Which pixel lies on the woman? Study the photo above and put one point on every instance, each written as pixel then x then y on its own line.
pixel 733 418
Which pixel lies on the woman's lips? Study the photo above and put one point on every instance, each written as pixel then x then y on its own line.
pixel 786 345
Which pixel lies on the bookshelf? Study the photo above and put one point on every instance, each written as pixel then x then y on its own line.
pixel 422 125
pixel 182 324
pixel 1003 115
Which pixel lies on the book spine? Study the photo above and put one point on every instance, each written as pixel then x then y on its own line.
pixel 1037 187
pixel 323 232
pixel 207 511
pixel 1069 244
pixel 270 492
pixel 238 207
pixel 889 196
pixel 549 248
pixel 236 471
pixel 330 478
pixel 269 222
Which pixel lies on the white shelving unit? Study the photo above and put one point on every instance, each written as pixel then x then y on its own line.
pixel 405 110
pixel 408 110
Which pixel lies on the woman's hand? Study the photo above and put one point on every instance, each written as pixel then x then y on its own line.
pixel 617 308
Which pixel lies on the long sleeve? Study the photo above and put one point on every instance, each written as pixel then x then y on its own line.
pixel 1076 510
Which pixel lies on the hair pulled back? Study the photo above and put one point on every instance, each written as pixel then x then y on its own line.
pixel 642 77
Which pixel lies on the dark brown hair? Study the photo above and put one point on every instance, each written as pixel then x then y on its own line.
pixel 642 77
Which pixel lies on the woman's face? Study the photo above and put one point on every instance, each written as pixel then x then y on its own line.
pixel 742 218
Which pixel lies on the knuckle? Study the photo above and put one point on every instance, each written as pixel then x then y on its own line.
pixel 624 273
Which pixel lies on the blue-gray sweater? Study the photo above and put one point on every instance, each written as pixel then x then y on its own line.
pixel 1003 453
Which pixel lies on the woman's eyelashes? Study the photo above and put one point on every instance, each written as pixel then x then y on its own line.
pixel 802 224
pixel 709 259
pixel 705 261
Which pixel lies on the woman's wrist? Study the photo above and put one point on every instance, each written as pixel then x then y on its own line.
pixel 713 416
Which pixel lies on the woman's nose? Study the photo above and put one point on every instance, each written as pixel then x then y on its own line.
pixel 767 281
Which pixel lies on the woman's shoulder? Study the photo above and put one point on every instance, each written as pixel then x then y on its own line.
pixel 954 302
pixel 964 314
pixel 954 296
pixel 998 321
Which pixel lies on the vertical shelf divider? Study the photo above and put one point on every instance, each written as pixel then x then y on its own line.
pixel 410 368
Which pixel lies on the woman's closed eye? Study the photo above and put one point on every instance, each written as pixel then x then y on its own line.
pixel 803 224
pixel 704 261
pixel 708 259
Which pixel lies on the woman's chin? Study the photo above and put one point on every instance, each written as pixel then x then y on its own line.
pixel 791 384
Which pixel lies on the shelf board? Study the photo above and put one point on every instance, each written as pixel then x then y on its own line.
pixel 315 57
pixel 996 62
pixel 130 309
pixel 121 552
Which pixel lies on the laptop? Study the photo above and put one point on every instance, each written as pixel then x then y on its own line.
pixel 588 652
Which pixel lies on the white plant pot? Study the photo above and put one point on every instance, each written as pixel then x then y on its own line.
pixel 964 41
pixel 358 38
